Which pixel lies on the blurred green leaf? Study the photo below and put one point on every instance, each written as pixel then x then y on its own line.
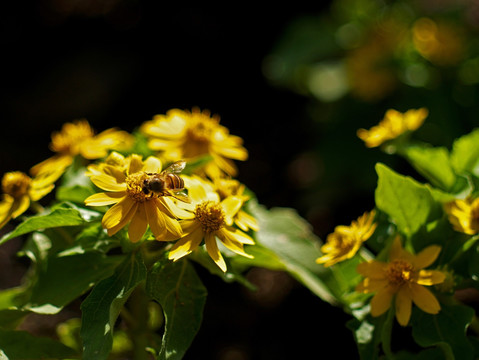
pixel 432 163
pixel 446 330
pixel 75 186
pixel 101 308
pixel 20 345
pixel 179 291
pixel 465 153
pixel 63 214
pixel 290 237
pixel 408 203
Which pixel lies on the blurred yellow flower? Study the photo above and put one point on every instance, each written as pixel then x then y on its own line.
pixel 392 126
pixel 188 135
pixel 402 279
pixel 19 190
pixel 439 42
pixel 370 67
pixel 124 185
pixel 210 219
pixel 78 138
pixel 345 241
pixel 464 215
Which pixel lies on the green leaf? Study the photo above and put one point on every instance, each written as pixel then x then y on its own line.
pixel 64 214
pixel 75 186
pixel 101 308
pixel 179 291
pixel 18 345
pixel 465 153
pixel 64 278
pixel 408 203
pixel 290 237
pixel 446 330
pixel 432 163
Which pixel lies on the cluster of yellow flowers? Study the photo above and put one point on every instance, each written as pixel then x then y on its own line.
pixel 403 278
pixel 212 208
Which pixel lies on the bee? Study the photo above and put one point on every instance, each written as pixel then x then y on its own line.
pixel 167 182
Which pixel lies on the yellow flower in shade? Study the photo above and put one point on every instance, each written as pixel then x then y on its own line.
pixel 392 126
pixel 345 241
pixel 402 279
pixel 464 215
pixel 232 187
pixel 439 42
pixel 210 219
pixel 78 138
pixel 188 135
pixel 19 190
pixel 123 182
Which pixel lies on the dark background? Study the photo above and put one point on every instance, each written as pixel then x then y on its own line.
pixel 117 63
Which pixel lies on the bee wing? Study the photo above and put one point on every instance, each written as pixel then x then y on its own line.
pixel 179 196
pixel 176 167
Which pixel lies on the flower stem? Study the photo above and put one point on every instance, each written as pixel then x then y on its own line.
pixel 386 333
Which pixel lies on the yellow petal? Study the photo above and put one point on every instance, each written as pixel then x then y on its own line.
pixel 214 252
pixel 135 165
pixel 6 210
pixel 118 212
pixel 424 299
pixel 152 165
pixel 369 285
pixel 138 224
pixel 155 219
pixel 20 206
pixel 403 305
pixel 430 277
pixel 381 302
pixel 426 257
pixel 54 165
pixel 231 205
pixel 102 199
pixel 372 269
pixel 107 183
pixel 232 244
pixel 186 245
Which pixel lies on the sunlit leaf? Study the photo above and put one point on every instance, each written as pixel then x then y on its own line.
pixel 101 308
pixel 465 153
pixel 408 203
pixel 179 291
pixel 64 214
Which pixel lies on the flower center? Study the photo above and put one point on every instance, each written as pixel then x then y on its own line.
pixel 134 186
pixel 211 216
pixel 16 184
pixel 399 272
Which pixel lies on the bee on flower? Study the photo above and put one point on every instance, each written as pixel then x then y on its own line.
pixel 210 220
pixel 123 180
pixel 402 280
pixel 20 191
pixel 345 241
pixel 392 126
pixel 78 138
pixel 189 135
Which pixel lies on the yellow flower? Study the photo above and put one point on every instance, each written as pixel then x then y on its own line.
pixel 403 279
pixel 231 187
pixel 78 138
pixel 464 215
pixel 393 125
pixel 188 135
pixel 19 190
pixel 439 42
pixel 123 182
pixel 210 219
pixel 345 241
